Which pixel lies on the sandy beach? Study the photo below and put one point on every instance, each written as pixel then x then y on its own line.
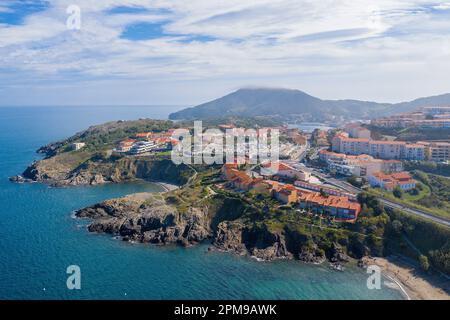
pixel 167 186
pixel 413 282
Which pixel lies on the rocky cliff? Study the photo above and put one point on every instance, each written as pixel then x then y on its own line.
pixel 150 218
pixel 147 218
pixel 254 240
pixel 154 218
pixel 98 170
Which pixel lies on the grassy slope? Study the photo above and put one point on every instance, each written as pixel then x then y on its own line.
pixel 434 198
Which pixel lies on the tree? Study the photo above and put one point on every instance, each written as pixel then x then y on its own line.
pixel 397 226
pixel 398 192
pixel 355 181
pixel 424 264
pixel 419 186
pixel 414 192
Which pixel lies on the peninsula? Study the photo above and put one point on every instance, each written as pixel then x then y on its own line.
pixel 237 208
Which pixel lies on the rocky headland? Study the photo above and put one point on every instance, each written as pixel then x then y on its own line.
pixel 154 218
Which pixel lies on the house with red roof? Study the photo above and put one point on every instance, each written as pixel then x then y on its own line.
pixel 338 207
pixel 287 194
pixel 391 181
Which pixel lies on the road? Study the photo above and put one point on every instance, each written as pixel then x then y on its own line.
pixel 387 203
pixel 394 205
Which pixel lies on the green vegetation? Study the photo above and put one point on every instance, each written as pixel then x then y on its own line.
pixel 441 258
pixel 432 194
pixel 356 181
pixel 424 264
pixel 409 134
pixel 428 167
pixel 415 237
pixel 106 136
pixel 397 192
pixel 425 241
pixel 439 197
pixel 262 214
pixel 377 232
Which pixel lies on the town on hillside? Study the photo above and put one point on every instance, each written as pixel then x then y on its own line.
pixel 323 171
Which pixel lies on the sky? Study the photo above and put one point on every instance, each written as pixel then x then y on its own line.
pixel 178 52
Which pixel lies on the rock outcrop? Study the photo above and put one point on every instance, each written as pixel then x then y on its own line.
pixel 228 237
pixel 147 218
pixel 338 254
pixel 154 218
pixel 57 171
pixel 257 241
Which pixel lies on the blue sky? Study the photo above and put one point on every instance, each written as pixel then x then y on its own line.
pixel 14 12
pixel 187 52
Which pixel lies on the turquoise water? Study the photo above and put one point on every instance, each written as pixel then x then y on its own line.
pixel 39 238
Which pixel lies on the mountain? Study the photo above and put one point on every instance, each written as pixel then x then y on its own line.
pixel 297 105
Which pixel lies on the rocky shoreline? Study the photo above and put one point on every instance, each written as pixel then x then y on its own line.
pixel 146 218
pixel 56 172
pixel 149 218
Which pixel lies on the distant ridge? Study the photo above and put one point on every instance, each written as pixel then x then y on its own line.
pixel 298 105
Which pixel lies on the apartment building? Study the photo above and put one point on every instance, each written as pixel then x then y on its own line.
pixel 413 151
pixel 436 110
pixel 141 147
pixel 347 165
pixel 125 145
pixel 361 165
pixel 335 206
pixel 286 171
pixel 356 131
pixel 427 118
pixel 386 149
pixel 436 151
pixel 407 123
pixel 342 143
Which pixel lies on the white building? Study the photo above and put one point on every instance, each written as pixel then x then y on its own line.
pixel 391 181
pixel 378 148
pixel 78 145
pixel 287 171
pixel 142 147
pixel 356 131
pixel 361 165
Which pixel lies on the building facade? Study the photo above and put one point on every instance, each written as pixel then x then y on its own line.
pixel 378 148
pixel 361 165
pixel 391 181
pixel 437 151
pixel 337 207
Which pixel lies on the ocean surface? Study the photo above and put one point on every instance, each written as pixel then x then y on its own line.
pixel 309 127
pixel 39 238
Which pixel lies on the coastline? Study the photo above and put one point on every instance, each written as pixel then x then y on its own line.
pixel 166 186
pixel 413 282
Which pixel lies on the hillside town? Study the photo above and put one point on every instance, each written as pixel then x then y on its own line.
pixel 319 172
pixel 426 117
pixel 329 193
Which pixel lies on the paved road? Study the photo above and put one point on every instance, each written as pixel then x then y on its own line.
pixel 388 203
pixel 416 212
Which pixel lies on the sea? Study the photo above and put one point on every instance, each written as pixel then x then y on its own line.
pixel 40 238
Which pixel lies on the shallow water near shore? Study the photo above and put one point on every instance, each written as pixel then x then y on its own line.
pixel 40 238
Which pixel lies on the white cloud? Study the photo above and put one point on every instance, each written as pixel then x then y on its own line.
pixel 252 39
